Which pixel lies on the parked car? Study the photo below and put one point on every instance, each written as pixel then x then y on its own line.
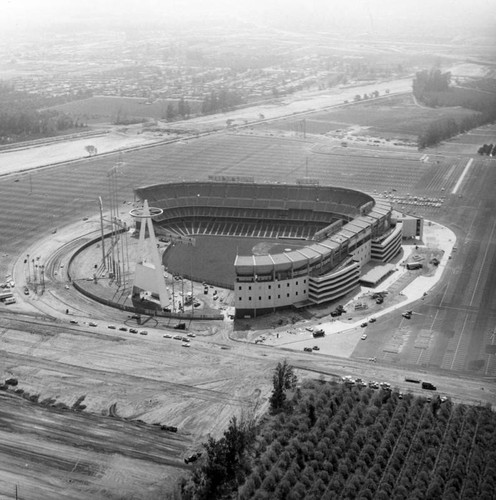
pixel 316 348
pixel 192 458
pixel 167 336
pixel 363 325
pixel 112 327
pixel 143 332
pixel 123 329
pixel 133 330
pixel 308 349
pixel 92 323
pixel 364 336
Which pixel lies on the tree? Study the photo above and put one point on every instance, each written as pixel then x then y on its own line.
pixel 91 150
pixel 170 114
pixel 183 108
pixel 226 464
pixel 283 379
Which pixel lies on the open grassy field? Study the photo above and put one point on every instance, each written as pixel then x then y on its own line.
pixel 394 116
pixel 106 108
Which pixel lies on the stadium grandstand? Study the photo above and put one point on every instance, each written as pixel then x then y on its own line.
pixel 344 228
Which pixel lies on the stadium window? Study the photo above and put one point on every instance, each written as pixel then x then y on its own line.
pixel 288 294
pixel 278 286
pixel 240 298
pixel 287 285
pixel 296 293
pixel 240 287
pixel 259 298
pixel 249 288
pixel 304 282
pixel 278 296
pixel 270 298
pixel 249 298
pixel 270 286
pixel 296 283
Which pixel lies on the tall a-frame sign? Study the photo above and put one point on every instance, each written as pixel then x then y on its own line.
pixel 149 282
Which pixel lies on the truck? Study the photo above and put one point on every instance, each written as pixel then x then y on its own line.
pixel 414 265
pixel 318 333
pixel 10 300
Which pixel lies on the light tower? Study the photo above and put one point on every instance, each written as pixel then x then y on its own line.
pixel 149 279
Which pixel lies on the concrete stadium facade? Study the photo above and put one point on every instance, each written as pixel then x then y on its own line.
pixel 344 228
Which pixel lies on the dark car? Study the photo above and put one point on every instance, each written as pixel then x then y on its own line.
pixel 133 330
pixel 123 329
pixel 308 349
pixel 316 348
pixel 192 458
pixel 143 332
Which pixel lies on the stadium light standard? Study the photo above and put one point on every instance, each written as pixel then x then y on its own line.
pixel 103 235
pixel 42 271
pixel 29 269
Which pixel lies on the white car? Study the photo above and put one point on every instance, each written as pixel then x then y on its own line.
pixel 364 336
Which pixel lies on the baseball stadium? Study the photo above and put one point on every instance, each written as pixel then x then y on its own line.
pixel 304 244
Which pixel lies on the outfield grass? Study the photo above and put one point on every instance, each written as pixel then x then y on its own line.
pixel 212 258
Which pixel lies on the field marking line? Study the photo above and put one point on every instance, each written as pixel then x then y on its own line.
pixel 459 342
pixel 464 173
pixel 483 262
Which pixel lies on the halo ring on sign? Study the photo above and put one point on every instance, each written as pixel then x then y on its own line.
pixel 137 213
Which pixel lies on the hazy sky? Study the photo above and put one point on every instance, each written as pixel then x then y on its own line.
pixel 25 13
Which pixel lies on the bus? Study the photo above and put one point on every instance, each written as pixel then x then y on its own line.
pixel 5 295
